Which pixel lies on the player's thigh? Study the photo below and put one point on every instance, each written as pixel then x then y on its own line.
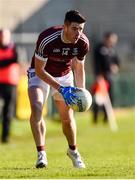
pixel 65 112
pixel 38 92
pixel 36 96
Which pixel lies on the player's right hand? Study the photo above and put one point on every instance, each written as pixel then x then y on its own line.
pixel 68 94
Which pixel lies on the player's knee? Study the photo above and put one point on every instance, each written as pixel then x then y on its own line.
pixel 37 110
pixel 67 122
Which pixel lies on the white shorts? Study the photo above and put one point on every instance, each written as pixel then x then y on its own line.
pixel 35 81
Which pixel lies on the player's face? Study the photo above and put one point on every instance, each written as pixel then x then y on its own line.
pixel 73 31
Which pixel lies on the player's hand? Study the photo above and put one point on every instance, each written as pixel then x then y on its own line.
pixel 68 94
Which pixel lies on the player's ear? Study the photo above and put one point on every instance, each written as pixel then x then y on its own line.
pixel 65 27
pixel 66 23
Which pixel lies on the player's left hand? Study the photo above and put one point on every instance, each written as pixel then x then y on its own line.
pixel 68 94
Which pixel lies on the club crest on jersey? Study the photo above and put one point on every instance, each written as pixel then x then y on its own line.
pixel 75 51
pixel 65 51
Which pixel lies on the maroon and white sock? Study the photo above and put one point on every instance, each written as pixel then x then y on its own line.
pixel 72 147
pixel 40 148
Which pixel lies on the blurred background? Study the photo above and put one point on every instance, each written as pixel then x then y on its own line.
pixel 27 18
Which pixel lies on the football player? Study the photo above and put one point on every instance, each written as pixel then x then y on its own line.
pixel 59 49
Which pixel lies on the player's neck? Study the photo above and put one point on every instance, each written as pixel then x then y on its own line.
pixel 63 38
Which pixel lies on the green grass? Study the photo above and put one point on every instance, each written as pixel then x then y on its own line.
pixel 106 154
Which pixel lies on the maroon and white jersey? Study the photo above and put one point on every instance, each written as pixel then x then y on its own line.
pixel 58 55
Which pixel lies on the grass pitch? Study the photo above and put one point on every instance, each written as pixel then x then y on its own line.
pixel 106 154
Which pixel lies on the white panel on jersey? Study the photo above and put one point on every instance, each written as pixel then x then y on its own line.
pixel 40 58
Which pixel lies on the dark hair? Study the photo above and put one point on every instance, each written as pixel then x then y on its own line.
pixel 74 16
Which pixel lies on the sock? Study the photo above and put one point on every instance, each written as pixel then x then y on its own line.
pixel 73 147
pixel 40 148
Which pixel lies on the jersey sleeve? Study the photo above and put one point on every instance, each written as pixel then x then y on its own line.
pixel 40 51
pixel 83 50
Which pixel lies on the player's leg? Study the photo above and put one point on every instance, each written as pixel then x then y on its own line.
pixel 69 130
pixel 36 96
pixel 67 117
pixel 68 122
pixel 38 93
pixel 36 120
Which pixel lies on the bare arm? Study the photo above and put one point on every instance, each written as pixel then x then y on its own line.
pixel 45 76
pixel 79 72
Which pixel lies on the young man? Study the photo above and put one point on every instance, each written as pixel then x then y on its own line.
pixel 59 49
